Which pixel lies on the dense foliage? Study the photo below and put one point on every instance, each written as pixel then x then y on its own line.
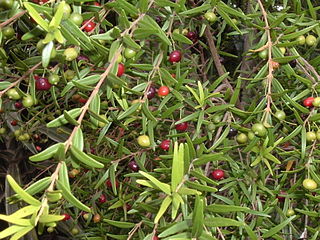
pixel 159 119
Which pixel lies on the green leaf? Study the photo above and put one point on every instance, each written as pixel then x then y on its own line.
pixel 221 222
pixel 21 233
pixel 175 228
pixel 77 140
pixel 85 158
pixel 22 193
pixel 130 42
pixel 196 10
pixel 163 186
pixel 72 199
pixel 15 220
pixel 10 231
pixel 200 187
pixel 64 176
pixel 177 166
pixel 203 159
pixel 277 228
pixel 46 54
pixel 95 108
pixel 119 224
pixel 129 111
pixel 50 218
pixel 226 17
pixel 55 21
pixel 164 206
pixel 45 154
pixel 61 120
pixel 181 38
pixel 298 33
pixel 36 16
pixel 198 217
pixel 222 208
pixel 69 118
pixel 220 139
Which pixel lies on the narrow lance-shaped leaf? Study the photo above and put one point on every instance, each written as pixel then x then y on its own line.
pixel 177 166
pixel 164 206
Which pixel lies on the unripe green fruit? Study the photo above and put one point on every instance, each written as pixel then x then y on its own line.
pixel 290 212
pixel 251 135
pixel 301 39
pixel 259 129
pixel 281 115
pixel 74 231
pixel 27 101
pixel 318 135
pixel 66 11
pixel 17 132
pixel 13 94
pixel 69 74
pixel 211 127
pixel 144 141
pixel 309 184
pixel 8 32
pixel 242 138
pixel 76 18
pixel 40 45
pixel 311 40
pixel 6 4
pixel 311 136
pixel 129 53
pixel 217 118
pixel 210 16
pixel 70 54
pixel 282 50
pixel 54 79
pixel 263 54
pixel 3 130
pixel 316 102
pixel 119 60
pixel 50 229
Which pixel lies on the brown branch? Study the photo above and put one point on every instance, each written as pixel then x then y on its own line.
pixel 215 56
pixel 12 19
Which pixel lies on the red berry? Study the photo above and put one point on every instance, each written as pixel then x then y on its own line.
pixel 181 127
pixel 165 144
pixel 173 75
pixel 14 122
pixel 128 206
pixel 151 92
pixel 38 148
pixel 193 36
pixel 42 84
pixel 133 166
pixel 175 56
pixel 155 237
pixel 96 4
pixel 89 25
pixel 66 216
pixel 18 105
pixel 217 174
pixel 82 100
pixel 109 185
pixel 102 198
pixel 308 102
pixel 121 69
pixel 163 91
pixel 282 198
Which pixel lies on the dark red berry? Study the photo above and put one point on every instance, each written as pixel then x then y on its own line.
pixel 165 144
pixel 308 102
pixel 133 166
pixel 217 174
pixel 109 184
pixel 102 198
pixel 128 206
pixel 121 69
pixel 232 133
pixel 181 127
pixel 151 92
pixel 82 58
pixel 155 237
pixel 14 122
pixel 282 198
pixel 82 100
pixel 38 148
pixel 92 150
pixel 175 56
pixel 42 84
pixel 18 105
pixel 66 216
pixel 89 25
pixel 193 36
pixel 293 63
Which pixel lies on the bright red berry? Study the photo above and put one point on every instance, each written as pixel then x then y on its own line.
pixel 308 102
pixel 175 56
pixel 121 69
pixel 217 174
pixel 42 84
pixel 163 91
pixel 151 92
pixel 66 216
pixel 18 105
pixel 133 166
pixel 97 4
pixel 181 127
pixel 82 100
pixel 165 144
pixel 38 148
pixel 102 198
pixel 89 25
